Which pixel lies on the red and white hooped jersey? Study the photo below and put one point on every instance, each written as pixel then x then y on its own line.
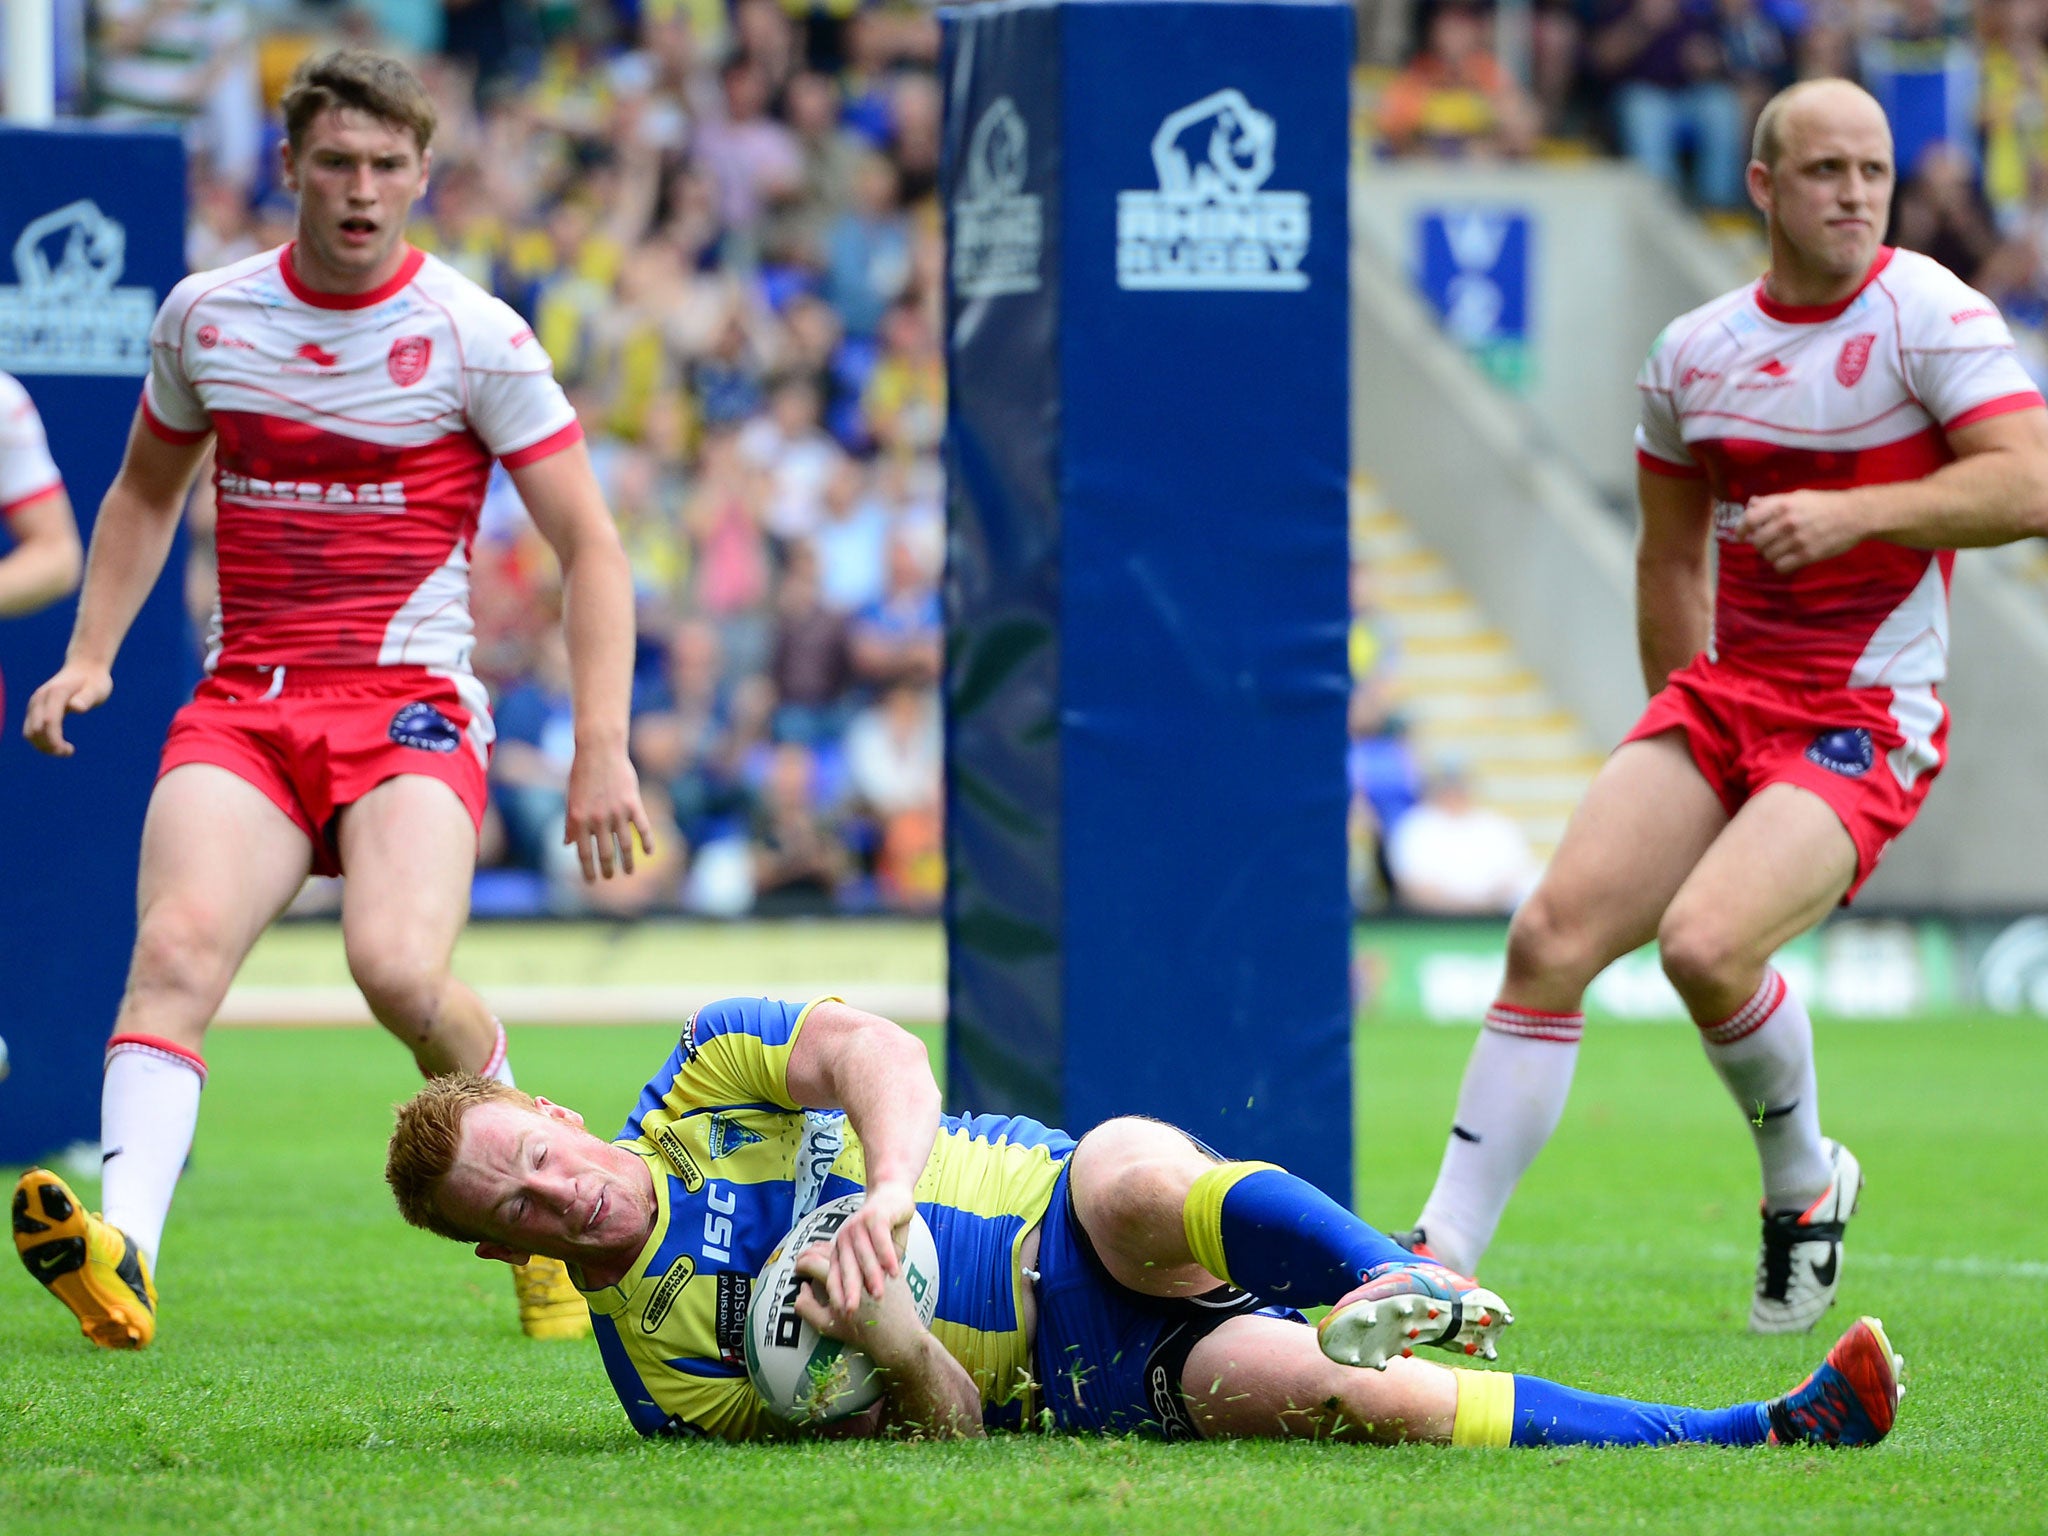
pixel 1761 397
pixel 355 438
pixel 27 472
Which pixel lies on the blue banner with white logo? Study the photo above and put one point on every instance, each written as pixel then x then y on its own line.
pixel 1148 455
pixel 1473 267
pixel 92 236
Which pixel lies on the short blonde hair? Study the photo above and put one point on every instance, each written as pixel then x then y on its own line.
pixel 426 1138
pixel 1767 142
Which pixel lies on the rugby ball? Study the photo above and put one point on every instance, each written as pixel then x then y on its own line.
pixel 804 1377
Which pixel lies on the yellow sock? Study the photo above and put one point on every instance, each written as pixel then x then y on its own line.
pixel 1486 1408
pixel 1202 1215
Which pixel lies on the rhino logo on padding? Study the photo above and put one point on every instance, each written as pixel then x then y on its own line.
pixel 1210 224
pixel 67 312
pixel 1220 146
pixel 997 228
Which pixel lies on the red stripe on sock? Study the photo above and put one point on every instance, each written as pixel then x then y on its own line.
pixel 156 1045
pixel 1749 1018
pixel 1536 1024
pixel 497 1056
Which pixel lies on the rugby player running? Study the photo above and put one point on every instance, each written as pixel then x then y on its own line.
pixel 1130 1282
pixel 355 391
pixel 1831 434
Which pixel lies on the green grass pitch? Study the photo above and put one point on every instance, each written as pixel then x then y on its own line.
pixel 320 1368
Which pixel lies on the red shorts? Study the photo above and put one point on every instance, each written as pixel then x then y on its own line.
pixel 314 739
pixel 1870 753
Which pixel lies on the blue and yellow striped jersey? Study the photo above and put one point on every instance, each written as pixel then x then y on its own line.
pixel 734 1161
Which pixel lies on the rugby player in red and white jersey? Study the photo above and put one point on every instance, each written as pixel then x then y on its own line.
pixel 44 562
pixel 1831 432
pixel 356 393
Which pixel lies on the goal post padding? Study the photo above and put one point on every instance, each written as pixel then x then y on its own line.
pixel 1146 600
pixel 94 224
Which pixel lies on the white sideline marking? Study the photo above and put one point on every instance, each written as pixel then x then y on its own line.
pixel 1971 1266
pixel 309 1007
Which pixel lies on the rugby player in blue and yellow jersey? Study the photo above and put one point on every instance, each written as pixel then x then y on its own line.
pixel 1132 1281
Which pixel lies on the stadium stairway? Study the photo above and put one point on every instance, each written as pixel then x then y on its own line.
pixel 1460 685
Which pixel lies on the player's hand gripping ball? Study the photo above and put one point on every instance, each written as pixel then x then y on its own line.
pixel 803 1376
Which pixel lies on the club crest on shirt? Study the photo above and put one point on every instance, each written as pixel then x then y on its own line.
pixel 728 1136
pixel 408 359
pixel 1854 358
pixel 1849 753
pixel 425 727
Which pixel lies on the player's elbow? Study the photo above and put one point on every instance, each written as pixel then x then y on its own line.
pixel 49 566
pixel 2031 521
pixel 67 565
pixel 908 1053
pixel 1665 563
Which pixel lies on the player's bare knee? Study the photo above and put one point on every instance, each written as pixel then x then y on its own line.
pixel 1700 952
pixel 402 986
pixel 1130 1179
pixel 179 952
pixel 1546 944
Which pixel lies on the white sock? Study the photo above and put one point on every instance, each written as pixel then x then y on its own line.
pixel 1512 1097
pixel 149 1107
pixel 495 1066
pixel 499 1067
pixel 1764 1053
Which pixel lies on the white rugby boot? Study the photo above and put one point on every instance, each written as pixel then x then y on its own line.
pixel 1801 1259
pixel 1403 1305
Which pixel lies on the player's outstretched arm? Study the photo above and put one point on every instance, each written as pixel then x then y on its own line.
pixel 47 557
pixel 130 541
pixel 1674 578
pixel 1994 492
pixel 881 1075
pixel 604 811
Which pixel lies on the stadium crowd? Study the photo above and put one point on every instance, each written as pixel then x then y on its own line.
pixel 722 227
pixel 1676 85
pixel 720 218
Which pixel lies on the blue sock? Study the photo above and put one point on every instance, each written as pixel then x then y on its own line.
pixel 1279 1237
pixel 1547 1414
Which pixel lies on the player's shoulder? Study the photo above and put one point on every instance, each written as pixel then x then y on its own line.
pixel 256 269
pixel 766 1019
pixel 1937 309
pixel 14 396
pixel 1697 324
pixel 493 335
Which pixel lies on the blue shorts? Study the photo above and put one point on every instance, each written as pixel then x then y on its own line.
pixel 1109 1358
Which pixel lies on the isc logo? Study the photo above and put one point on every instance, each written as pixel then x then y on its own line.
pixel 718 1224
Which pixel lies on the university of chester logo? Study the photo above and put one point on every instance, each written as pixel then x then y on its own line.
pixel 1210 225
pixel 67 311
pixel 997 230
